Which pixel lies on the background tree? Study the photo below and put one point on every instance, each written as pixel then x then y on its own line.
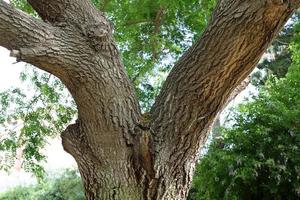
pixel 122 154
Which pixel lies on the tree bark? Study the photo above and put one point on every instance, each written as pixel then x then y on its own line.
pixel 122 154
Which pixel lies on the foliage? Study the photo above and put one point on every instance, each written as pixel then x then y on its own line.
pixel 67 186
pixel 33 119
pixel 258 157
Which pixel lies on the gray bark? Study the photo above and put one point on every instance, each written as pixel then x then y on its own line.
pixel 122 154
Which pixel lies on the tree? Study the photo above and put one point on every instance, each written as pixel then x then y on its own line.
pixel 122 153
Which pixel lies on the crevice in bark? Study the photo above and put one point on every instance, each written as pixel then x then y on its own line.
pixel 143 147
pixel 75 143
pixel 100 39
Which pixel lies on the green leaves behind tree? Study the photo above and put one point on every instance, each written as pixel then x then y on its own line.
pixel 65 186
pixel 259 156
pixel 28 120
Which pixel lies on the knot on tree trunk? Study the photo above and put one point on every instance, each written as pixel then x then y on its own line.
pixel 75 143
pixel 100 38
pixel 70 138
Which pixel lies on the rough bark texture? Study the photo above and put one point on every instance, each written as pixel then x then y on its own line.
pixel 122 154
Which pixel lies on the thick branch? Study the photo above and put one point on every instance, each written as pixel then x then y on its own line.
pixel 203 79
pixel 81 25
pixel 20 30
pixel 76 12
pixel 29 39
pixel 55 49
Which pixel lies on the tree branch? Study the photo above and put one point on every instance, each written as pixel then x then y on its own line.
pixel 137 21
pixel 82 25
pixel 20 30
pixel 216 124
pixel 157 26
pixel 28 38
pixel 61 12
pixel 203 79
pixel 54 47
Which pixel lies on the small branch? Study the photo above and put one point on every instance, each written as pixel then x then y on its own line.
pixel 157 24
pixel 62 12
pixel 28 53
pixel 159 16
pixel 281 42
pixel 232 96
pixel 136 21
pixel 241 87
pixel 15 53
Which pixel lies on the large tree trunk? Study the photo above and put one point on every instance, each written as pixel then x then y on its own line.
pixel 122 154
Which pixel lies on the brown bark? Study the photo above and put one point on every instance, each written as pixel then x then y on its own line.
pixel 122 154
